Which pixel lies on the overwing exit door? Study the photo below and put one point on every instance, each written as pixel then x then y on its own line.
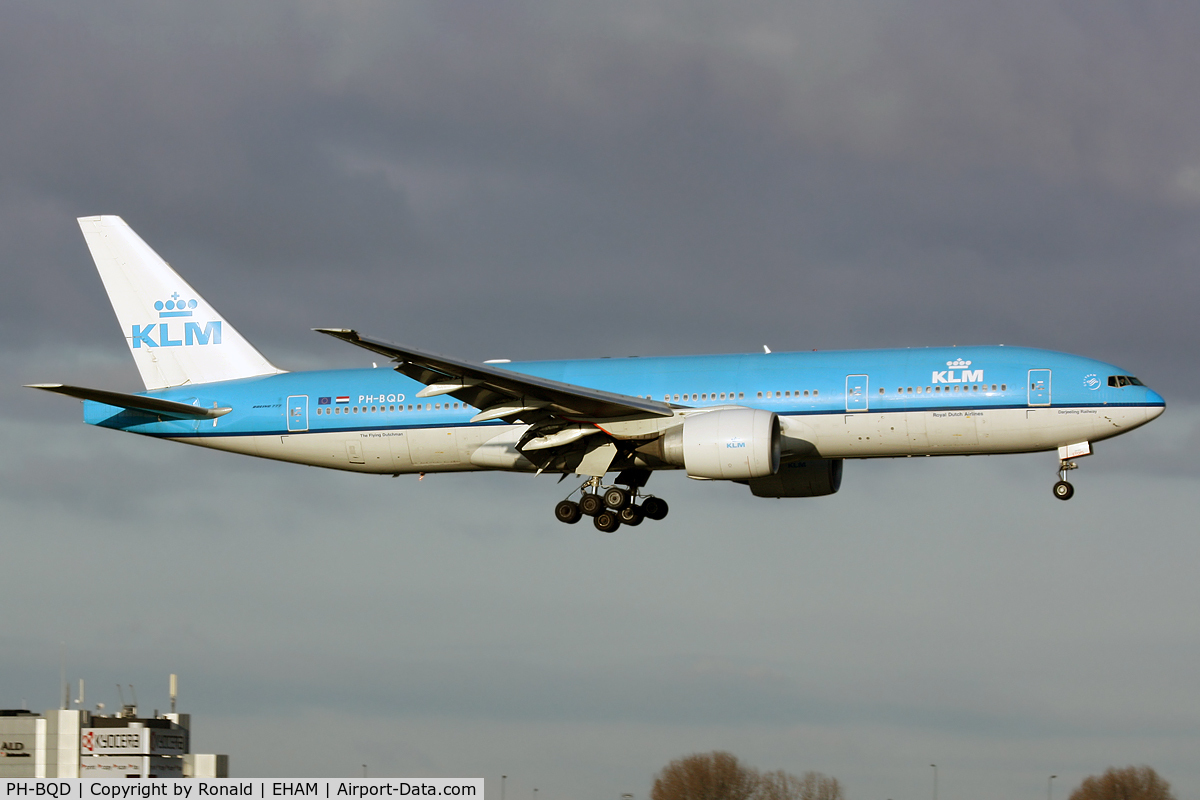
pixel 856 392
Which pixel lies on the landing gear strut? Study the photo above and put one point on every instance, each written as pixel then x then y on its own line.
pixel 610 507
pixel 1062 489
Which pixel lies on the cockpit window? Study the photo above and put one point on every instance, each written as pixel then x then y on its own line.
pixel 1123 380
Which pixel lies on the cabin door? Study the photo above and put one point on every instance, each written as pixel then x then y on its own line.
pixel 1039 387
pixel 297 412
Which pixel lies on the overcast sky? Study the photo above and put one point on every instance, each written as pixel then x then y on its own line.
pixel 532 179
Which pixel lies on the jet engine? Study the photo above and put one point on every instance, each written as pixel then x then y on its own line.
pixel 811 478
pixel 729 444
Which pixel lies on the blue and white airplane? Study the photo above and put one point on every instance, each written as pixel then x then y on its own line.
pixel 780 423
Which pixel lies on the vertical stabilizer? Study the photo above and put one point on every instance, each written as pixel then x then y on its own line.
pixel 175 336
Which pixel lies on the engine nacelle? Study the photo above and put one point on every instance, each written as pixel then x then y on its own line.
pixel 812 478
pixel 730 444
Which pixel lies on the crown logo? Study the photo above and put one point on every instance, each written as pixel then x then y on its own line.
pixel 957 363
pixel 174 307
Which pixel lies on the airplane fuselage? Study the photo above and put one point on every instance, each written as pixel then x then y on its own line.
pixel 831 404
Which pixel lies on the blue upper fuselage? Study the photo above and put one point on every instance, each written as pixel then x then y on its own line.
pixel 988 377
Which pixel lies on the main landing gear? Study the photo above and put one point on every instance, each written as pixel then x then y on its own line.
pixel 1062 489
pixel 610 507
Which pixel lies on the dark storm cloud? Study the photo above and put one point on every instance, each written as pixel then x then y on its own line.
pixel 536 180
pixel 1024 174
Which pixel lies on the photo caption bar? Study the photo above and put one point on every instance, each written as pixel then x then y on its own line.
pixel 191 788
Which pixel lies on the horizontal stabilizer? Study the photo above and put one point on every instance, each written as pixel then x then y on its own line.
pixel 134 402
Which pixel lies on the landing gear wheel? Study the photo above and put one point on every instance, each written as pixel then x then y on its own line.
pixel 654 508
pixel 616 498
pixel 607 521
pixel 567 512
pixel 631 515
pixel 591 504
pixel 1063 490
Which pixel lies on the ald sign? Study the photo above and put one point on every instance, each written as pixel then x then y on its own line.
pixel 192 332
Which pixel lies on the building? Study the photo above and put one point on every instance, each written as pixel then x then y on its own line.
pixel 79 744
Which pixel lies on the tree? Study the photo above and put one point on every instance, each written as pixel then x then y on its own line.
pixel 720 776
pixel 1131 783
pixel 705 776
pixel 780 785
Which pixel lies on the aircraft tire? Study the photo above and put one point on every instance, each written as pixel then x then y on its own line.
pixel 1063 490
pixel 607 521
pixel 591 504
pixel 631 515
pixel 654 507
pixel 568 512
pixel 616 498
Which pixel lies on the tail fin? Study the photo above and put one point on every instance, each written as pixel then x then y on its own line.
pixel 174 335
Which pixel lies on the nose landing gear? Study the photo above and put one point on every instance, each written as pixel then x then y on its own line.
pixel 612 506
pixel 1062 489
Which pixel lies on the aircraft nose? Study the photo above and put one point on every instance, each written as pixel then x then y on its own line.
pixel 1158 405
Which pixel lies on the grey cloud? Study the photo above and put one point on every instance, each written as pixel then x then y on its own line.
pixel 536 181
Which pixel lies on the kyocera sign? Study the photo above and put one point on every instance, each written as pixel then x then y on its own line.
pixel 114 741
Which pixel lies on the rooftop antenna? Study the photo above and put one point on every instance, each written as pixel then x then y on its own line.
pixel 79 700
pixel 62 674
pixel 174 690
pixel 127 709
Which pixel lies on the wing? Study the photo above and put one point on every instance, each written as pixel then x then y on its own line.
pixel 501 393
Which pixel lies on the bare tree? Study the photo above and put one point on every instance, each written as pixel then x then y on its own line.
pixel 705 776
pixel 780 785
pixel 1130 783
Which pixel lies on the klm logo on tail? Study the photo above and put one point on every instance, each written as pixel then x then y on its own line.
pixel 193 333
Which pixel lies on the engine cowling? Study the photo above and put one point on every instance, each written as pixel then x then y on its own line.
pixel 730 444
pixel 812 478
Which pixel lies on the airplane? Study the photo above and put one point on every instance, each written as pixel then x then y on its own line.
pixel 780 423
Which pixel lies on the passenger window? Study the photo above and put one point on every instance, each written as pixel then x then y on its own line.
pixel 760 395
pixel 741 395
pixel 815 392
pixel 1004 387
